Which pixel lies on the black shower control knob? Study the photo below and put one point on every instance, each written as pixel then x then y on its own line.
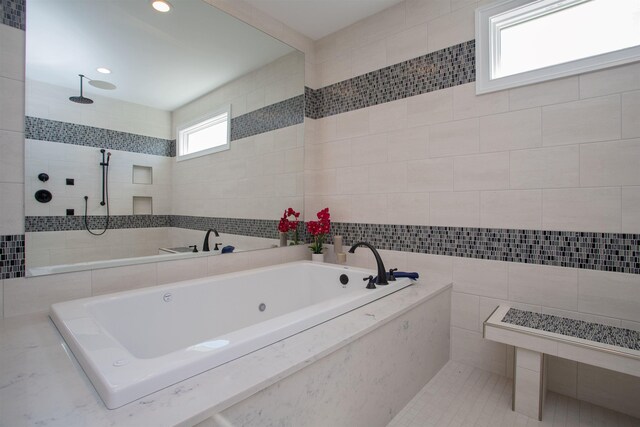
pixel 43 196
pixel 43 177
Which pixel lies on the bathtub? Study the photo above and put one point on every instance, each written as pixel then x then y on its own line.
pixel 131 344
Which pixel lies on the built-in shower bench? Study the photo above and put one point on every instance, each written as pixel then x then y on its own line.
pixel 535 335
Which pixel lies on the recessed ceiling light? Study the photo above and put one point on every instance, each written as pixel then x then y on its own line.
pixel 161 5
pixel 103 70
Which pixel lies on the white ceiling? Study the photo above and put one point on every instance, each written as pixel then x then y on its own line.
pixel 318 18
pixel 158 60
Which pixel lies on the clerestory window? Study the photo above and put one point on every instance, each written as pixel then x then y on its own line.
pixel 519 42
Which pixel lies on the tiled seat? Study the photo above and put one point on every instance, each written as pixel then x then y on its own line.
pixel 535 334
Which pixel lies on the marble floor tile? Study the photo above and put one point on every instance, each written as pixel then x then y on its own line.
pixel 463 396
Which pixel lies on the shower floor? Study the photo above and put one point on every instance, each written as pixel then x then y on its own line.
pixel 463 396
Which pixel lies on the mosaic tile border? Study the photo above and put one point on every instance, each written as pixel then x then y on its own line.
pixel 282 114
pixel 612 335
pixel 242 226
pixel 96 222
pixel 14 13
pixel 593 251
pixel 312 103
pixel 276 116
pixel 90 136
pixel 448 67
pixel 12 256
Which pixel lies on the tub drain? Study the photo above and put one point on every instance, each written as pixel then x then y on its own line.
pixel 262 306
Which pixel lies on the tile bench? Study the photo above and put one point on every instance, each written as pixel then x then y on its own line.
pixel 534 335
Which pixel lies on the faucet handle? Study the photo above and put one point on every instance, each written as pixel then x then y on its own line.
pixel 390 276
pixel 371 284
pixel 195 248
pixel 216 248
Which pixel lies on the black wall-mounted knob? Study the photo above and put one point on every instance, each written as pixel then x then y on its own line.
pixel 43 196
pixel 43 177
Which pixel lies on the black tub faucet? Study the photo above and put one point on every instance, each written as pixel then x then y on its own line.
pixel 205 245
pixel 382 272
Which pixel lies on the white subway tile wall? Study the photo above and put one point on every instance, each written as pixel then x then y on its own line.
pixel 50 102
pixel 12 42
pixel 630 114
pixel 560 156
pixel 538 138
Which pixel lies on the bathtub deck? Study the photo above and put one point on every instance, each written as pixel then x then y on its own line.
pixel 42 384
pixel 463 396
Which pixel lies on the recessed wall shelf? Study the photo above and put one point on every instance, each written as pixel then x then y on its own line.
pixel 142 205
pixel 142 174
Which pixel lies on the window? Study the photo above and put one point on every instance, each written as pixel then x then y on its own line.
pixel 520 42
pixel 206 135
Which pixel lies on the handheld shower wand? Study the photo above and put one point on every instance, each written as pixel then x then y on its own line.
pixel 104 164
pixel 105 172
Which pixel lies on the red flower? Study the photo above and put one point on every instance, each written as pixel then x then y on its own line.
pixel 285 225
pixel 319 229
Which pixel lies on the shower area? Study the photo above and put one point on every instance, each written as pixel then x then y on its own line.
pixel 107 201
pixel 95 191
pixel 100 192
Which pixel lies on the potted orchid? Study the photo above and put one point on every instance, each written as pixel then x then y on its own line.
pixel 285 225
pixel 318 231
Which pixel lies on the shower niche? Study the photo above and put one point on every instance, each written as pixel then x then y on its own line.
pixel 142 205
pixel 142 175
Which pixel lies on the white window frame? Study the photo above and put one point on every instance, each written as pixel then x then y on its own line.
pixel 207 120
pixel 487 46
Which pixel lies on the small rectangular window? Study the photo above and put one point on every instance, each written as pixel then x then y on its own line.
pixel 521 42
pixel 206 135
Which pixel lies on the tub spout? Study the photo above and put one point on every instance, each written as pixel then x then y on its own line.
pixel 382 272
pixel 205 245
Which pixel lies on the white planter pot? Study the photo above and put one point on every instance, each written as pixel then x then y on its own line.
pixel 317 257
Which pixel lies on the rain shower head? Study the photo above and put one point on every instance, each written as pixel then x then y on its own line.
pixel 81 99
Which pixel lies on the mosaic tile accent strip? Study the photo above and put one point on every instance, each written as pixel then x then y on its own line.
pixel 620 337
pixel 275 116
pixel 593 251
pixel 448 67
pixel 272 117
pixel 96 222
pixel 14 13
pixel 89 136
pixel 312 103
pixel 245 227
pixel 11 256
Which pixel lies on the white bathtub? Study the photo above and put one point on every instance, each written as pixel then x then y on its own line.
pixel 131 344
